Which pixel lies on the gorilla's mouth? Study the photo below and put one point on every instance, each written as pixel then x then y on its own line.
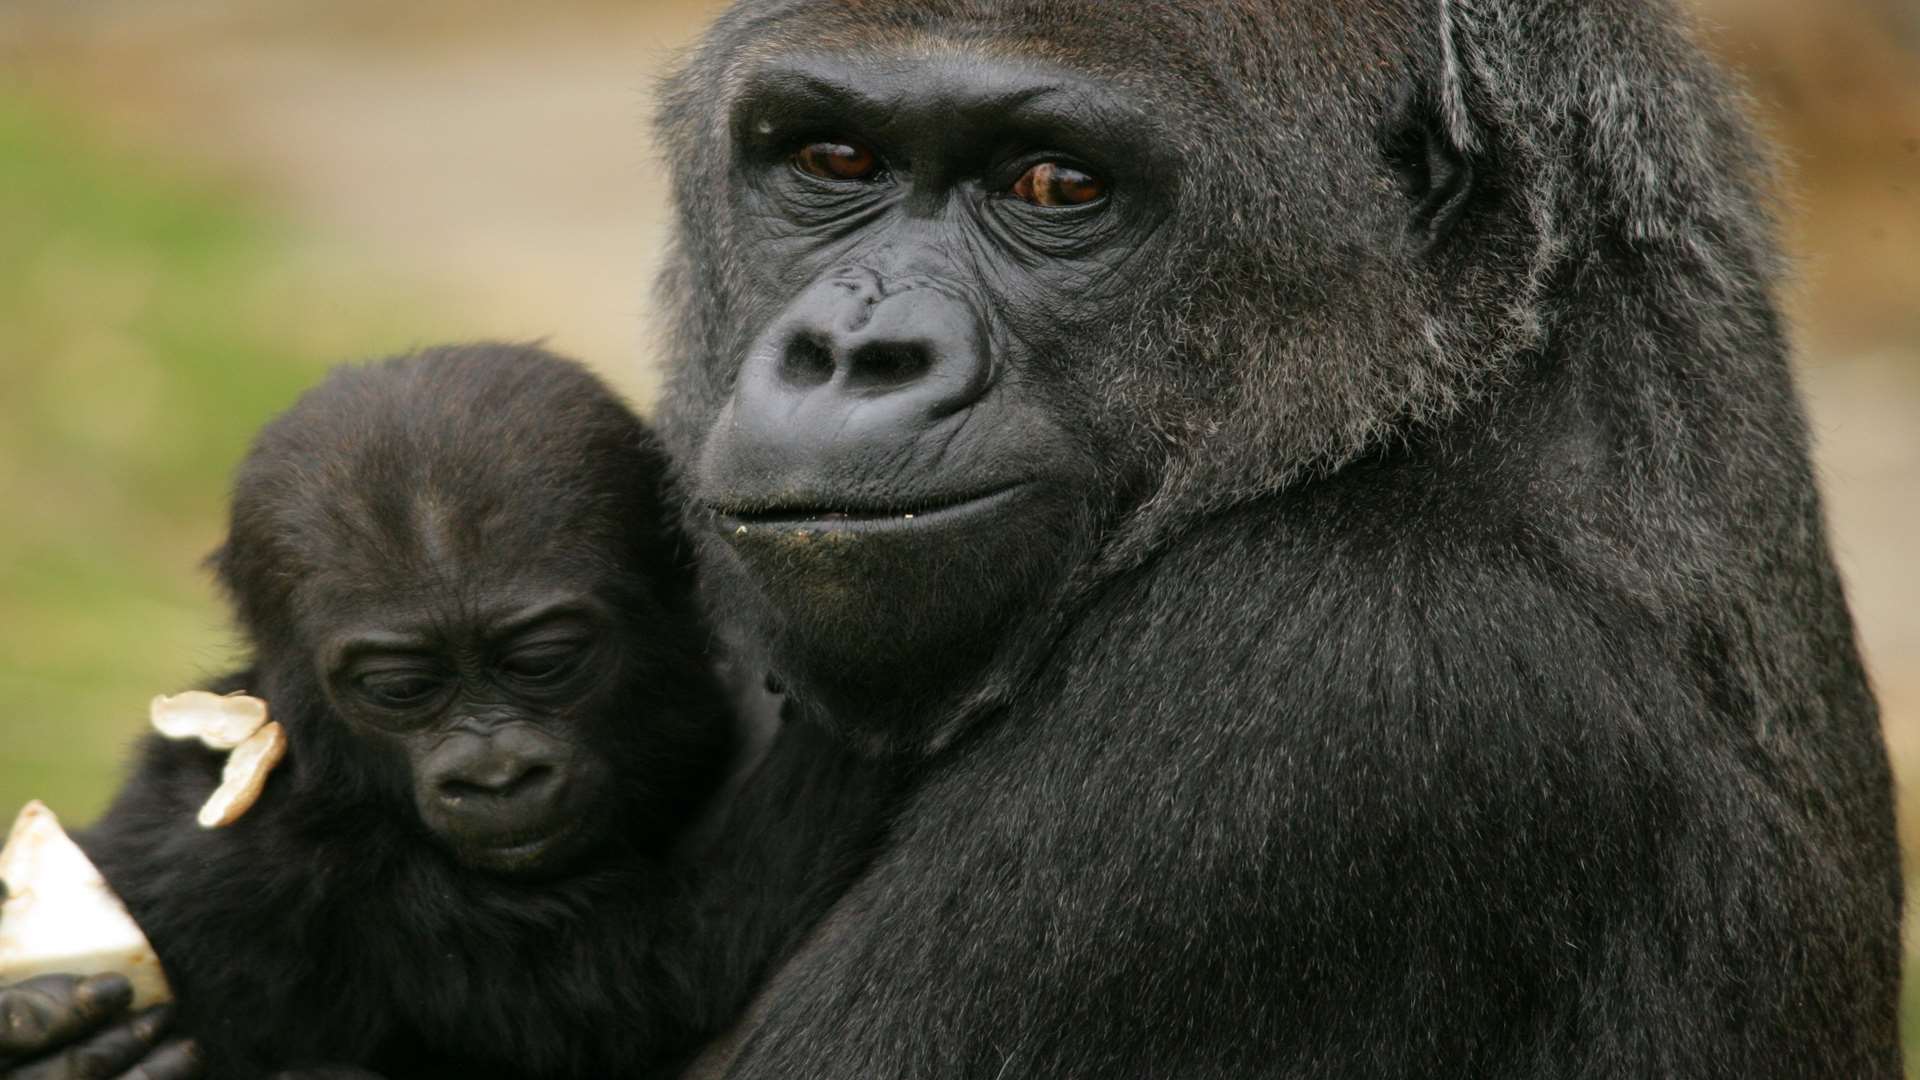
pixel 824 515
pixel 523 854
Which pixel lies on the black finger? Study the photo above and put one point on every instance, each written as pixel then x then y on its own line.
pixel 108 1054
pixel 175 1061
pixel 100 998
pixel 153 1023
pixel 49 1011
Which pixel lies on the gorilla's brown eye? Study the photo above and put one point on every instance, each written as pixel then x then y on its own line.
pixel 837 161
pixel 1053 184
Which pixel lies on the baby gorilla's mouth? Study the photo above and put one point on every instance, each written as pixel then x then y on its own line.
pixel 526 853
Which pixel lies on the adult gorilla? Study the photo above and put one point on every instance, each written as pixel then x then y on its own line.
pixel 1311 497
pixel 1318 488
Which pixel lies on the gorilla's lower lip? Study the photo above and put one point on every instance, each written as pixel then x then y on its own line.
pixel 518 855
pixel 826 517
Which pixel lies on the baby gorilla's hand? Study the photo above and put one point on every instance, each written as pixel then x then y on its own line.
pixel 54 1027
pixel 44 1013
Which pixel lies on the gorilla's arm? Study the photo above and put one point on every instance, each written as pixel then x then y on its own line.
pixel 795 834
pixel 798 832
pixel 1452 806
pixel 66 1026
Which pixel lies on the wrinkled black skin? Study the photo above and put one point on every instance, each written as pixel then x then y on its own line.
pixel 1411 648
pixel 362 912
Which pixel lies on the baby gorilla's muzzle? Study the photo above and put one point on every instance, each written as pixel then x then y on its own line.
pixel 503 798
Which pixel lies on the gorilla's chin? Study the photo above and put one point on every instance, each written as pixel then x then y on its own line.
pixel 882 619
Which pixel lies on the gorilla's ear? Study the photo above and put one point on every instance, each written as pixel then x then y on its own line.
pixel 1432 141
pixel 219 563
pixel 1435 171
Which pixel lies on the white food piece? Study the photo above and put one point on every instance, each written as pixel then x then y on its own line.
pixel 220 722
pixel 245 777
pixel 60 917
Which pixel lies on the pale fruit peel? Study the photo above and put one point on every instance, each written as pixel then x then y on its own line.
pixel 61 917
pixel 244 777
pixel 219 721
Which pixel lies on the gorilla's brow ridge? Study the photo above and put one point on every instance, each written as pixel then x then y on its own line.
pixel 800 94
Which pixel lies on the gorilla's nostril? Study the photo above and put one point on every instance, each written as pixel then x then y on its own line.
pixel 459 791
pixel 807 361
pixel 889 363
pixel 528 781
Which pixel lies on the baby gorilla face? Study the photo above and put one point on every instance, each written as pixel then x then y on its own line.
pixel 491 703
pixel 468 556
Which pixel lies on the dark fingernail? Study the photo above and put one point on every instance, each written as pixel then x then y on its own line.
pixel 100 995
pixel 148 1025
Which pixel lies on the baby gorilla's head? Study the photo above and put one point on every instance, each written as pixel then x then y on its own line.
pixel 469 604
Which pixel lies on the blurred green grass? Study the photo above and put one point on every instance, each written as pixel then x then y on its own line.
pixel 149 323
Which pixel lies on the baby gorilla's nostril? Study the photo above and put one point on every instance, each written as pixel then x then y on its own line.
pixel 807 361
pixel 526 781
pixel 883 364
pixel 532 780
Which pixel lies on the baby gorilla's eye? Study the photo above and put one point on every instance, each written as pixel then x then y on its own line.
pixel 837 161
pixel 540 666
pixel 398 689
pixel 1051 183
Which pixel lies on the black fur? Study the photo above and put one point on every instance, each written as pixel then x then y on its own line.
pixel 328 925
pixel 1439 670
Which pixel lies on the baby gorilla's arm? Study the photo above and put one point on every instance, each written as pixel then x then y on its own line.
pixel 65 1027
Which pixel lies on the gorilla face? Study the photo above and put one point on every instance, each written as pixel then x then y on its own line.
pixel 976 309
pixel 902 466
pixel 456 572
pixel 492 710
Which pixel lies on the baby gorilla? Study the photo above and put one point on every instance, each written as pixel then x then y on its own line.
pixel 469 607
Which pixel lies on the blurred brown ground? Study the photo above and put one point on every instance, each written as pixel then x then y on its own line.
pixel 495 157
